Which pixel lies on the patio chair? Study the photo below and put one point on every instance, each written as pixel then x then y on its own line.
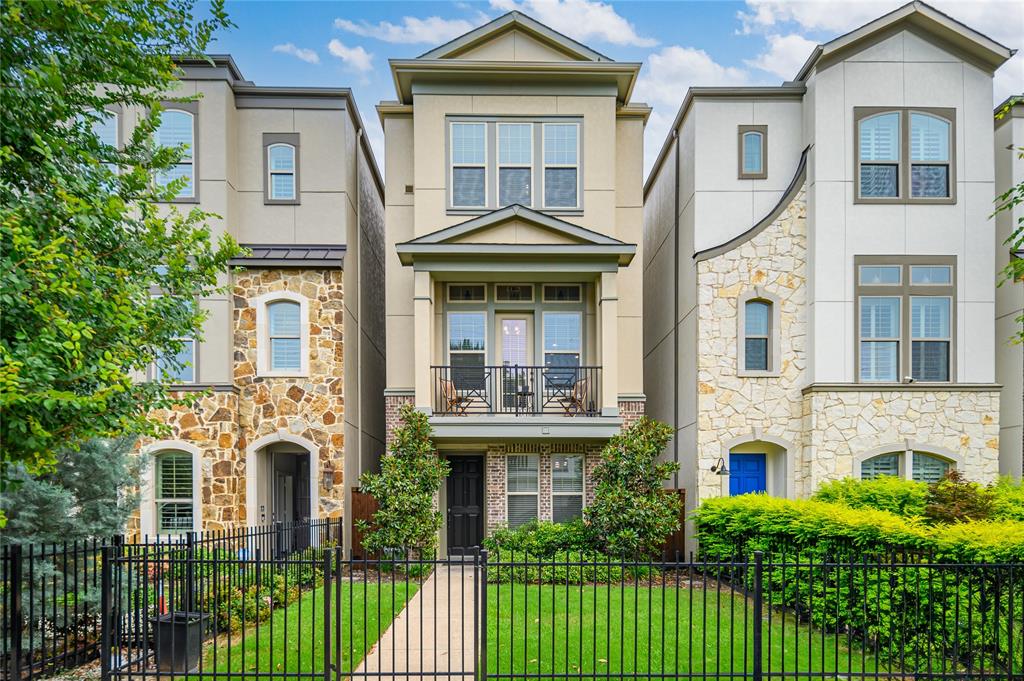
pixel 575 402
pixel 454 403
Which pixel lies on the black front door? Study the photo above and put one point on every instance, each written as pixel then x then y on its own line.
pixel 465 504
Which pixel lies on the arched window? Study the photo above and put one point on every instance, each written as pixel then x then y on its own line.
pixel 758 343
pixel 281 172
pixel 879 155
pixel 753 152
pixel 928 468
pixel 909 463
pixel 174 493
pixel 905 155
pixel 285 335
pixel 877 466
pixel 177 128
pixel 930 140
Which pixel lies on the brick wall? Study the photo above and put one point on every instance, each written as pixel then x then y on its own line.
pixel 392 409
pixel 630 411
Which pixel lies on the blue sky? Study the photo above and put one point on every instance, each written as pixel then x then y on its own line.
pixel 347 44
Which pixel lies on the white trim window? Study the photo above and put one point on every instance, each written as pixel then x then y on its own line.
pixel 468 164
pixel 522 488
pixel 561 165
pixel 566 487
pixel 757 317
pixel 174 501
pixel 515 164
pixel 282 334
pixel 177 128
pixel 281 172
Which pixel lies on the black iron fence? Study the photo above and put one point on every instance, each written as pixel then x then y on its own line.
pixel 566 390
pixel 52 594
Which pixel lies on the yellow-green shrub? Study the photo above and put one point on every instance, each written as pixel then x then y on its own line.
pixel 885 493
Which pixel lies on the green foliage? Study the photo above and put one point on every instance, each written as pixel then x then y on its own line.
pixel 633 514
pixel 541 539
pixel 83 241
pixel 886 493
pixel 1013 273
pixel 410 475
pixel 238 607
pixel 569 567
pixel 88 494
pixel 1009 499
pixel 954 499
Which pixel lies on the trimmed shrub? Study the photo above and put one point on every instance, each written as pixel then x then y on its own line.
pixel 1009 499
pixel 886 493
pixel 541 539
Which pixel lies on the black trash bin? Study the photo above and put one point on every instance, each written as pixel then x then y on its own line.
pixel 179 640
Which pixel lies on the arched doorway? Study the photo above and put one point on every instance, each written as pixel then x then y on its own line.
pixel 282 483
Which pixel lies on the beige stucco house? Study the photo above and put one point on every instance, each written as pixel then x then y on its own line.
pixel 818 267
pixel 1009 139
pixel 513 208
pixel 293 356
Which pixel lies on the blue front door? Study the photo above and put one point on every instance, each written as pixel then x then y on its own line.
pixel 747 473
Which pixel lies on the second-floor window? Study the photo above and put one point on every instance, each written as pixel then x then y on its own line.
pixel 285 335
pixel 177 128
pixel 905 155
pixel 501 162
pixel 753 157
pixel 905 318
pixel 178 367
pixel 281 172
pixel 757 315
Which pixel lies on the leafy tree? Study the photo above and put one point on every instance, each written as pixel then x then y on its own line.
pixel 633 514
pixel 1013 273
pixel 82 239
pixel 410 477
pixel 89 493
pixel 954 499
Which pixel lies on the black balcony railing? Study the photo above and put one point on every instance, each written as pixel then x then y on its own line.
pixel 517 390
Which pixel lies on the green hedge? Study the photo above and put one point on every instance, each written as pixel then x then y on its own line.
pixel 541 539
pixel 886 493
pixel 928 614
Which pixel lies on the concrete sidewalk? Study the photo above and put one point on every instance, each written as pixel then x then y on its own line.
pixel 434 634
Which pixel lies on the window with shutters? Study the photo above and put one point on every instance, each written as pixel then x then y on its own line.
pixel 905 155
pixel 905 318
pixel 500 162
pixel 282 321
pixel 566 487
pixel 174 493
pixel 877 466
pixel 928 468
pixel 521 484
pixel 912 464
pixel 177 129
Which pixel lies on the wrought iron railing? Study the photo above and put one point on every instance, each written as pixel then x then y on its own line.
pixel 517 390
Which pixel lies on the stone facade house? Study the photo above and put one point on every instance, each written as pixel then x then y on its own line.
pixel 818 267
pixel 292 358
pixel 513 207
pixel 1009 139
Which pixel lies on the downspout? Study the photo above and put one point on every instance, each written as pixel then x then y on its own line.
pixel 675 313
pixel 359 304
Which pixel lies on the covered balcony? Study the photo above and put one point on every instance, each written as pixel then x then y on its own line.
pixel 515 390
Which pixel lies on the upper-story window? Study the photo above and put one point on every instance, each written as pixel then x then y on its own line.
pixel 905 318
pixel 905 155
pixel 105 127
pixel 177 128
pixel 758 333
pixel 501 162
pixel 753 156
pixel 176 367
pixel 281 168
pixel 282 340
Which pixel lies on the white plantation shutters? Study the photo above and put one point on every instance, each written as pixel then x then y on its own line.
pixel 521 480
pixel 561 165
pixel 886 464
pixel 174 500
pixel 880 155
pixel 515 163
pixel 285 335
pixel 469 165
pixel 930 337
pixel 928 468
pixel 879 338
pixel 566 487
pixel 178 128
pixel 929 155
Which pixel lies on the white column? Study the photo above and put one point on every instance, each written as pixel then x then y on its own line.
pixel 608 309
pixel 423 313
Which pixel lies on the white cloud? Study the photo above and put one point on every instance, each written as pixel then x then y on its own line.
pixel 784 56
pixel 582 20
pixel 433 30
pixel 305 54
pixel 355 58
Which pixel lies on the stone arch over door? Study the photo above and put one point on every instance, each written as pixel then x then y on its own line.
pixel 255 462
pixel 780 483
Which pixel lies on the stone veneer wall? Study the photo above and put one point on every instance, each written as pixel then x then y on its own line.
pixel 731 407
pixel 842 424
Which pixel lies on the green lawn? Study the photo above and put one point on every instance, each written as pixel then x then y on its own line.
pixel 292 639
pixel 610 629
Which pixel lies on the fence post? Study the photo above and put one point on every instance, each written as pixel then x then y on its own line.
pixel 481 622
pixel 106 636
pixel 758 616
pixel 16 615
pixel 277 540
pixel 327 615
pixel 190 571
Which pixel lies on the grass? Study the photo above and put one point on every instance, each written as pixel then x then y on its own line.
pixel 609 629
pixel 291 640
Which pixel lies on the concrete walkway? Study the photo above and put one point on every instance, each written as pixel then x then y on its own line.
pixel 434 634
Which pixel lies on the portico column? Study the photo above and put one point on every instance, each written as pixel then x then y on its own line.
pixel 609 312
pixel 423 340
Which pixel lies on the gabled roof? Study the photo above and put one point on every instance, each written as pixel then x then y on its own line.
pixel 972 45
pixel 518 21
pixel 581 243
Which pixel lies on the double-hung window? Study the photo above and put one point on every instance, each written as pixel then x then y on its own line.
pixel 281 172
pixel 515 164
pixel 522 482
pixel 175 508
pixel 284 333
pixel 467 348
pixel 563 344
pixel 905 318
pixel 904 155
pixel 177 128
pixel 566 487
pixel 469 164
pixel 756 337
pixel 561 165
